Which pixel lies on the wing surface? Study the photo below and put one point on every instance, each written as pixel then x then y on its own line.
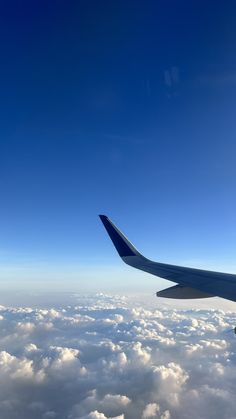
pixel 205 283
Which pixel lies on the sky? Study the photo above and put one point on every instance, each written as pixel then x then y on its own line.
pixel 122 108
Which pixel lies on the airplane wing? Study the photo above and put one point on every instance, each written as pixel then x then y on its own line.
pixel 191 283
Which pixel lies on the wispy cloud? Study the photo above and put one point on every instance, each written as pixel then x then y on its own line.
pixel 171 80
pixel 171 76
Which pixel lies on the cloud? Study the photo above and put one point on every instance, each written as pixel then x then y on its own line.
pixel 151 410
pixel 106 357
pixel 97 415
pixel 171 76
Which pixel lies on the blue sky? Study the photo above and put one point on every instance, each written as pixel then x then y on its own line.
pixel 122 108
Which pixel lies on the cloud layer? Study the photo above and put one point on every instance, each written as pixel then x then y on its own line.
pixel 109 358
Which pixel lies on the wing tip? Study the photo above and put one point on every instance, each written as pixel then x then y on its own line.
pixel 121 243
pixel 102 216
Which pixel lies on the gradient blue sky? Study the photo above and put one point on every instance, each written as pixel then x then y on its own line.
pixel 122 108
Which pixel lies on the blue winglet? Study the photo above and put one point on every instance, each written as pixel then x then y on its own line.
pixel 121 243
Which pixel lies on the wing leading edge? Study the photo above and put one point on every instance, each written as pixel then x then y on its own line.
pixel 192 283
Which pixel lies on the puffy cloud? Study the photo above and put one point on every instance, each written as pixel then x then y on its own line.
pixel 151 411
pixel 106 357
pixel 98 415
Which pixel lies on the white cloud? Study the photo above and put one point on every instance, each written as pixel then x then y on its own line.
pixel 107 358
pixel 151 411
pixel 98 415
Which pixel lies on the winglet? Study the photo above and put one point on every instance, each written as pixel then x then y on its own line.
pixel 121 243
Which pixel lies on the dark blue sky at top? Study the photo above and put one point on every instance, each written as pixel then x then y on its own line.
pixel 118 107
